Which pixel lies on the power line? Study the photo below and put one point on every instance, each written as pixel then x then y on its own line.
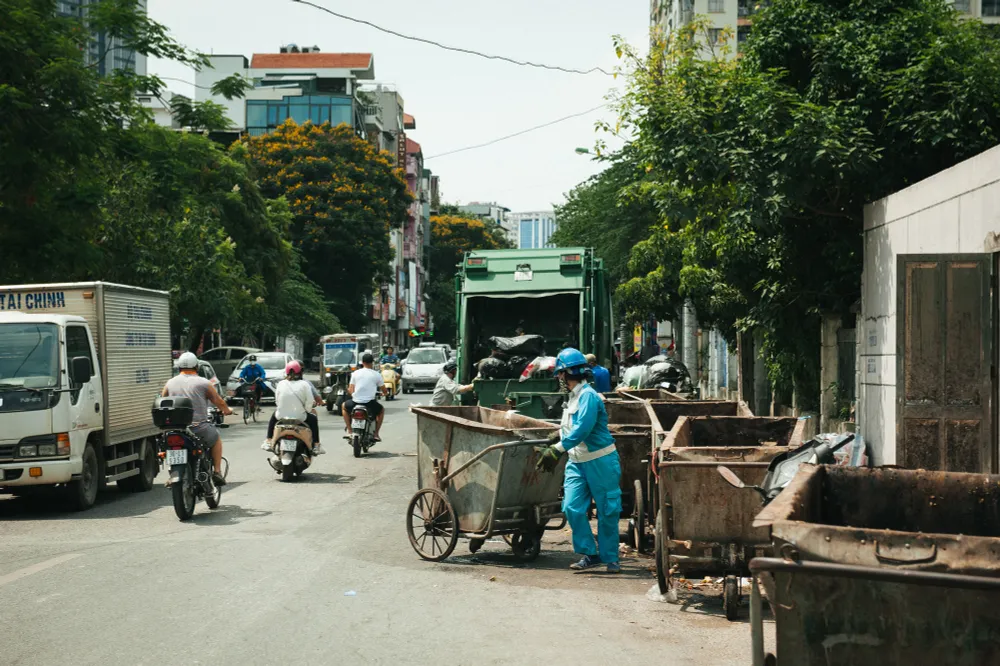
pixel 516 134
pixel 521 63
pixel 170 78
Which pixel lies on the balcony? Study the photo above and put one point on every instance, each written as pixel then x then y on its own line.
pixel 373 118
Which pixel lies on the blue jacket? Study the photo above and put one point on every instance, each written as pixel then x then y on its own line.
pixel 602 379
pixel 389 358
pixel 585 422
pixel 251 372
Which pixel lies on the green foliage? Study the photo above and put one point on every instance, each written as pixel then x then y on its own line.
pixel 760 166
pixel 606 212
pixel 344 198
pixel 452 235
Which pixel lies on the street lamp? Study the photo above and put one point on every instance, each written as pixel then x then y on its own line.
pixel 583 151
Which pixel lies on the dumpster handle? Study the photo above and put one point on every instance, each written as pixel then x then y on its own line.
pixel 742 456
pixel 918 560
pixel 491 449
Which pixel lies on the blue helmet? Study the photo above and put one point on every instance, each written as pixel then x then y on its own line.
pixel 572 361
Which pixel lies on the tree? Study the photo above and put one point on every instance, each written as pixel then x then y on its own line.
pixel 603 213
pixel 344 198
pixel 760 167
pixel 452 235
pixel 62 123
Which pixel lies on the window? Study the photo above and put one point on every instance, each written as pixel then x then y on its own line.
pixel 214 355
pixel 963 5
pixel 716 6
pixel 714 35
pixel 990 7
pixel 742 33
pixel 77 345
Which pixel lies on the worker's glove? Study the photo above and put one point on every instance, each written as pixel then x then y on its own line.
pixel 554 437
pixel 548 458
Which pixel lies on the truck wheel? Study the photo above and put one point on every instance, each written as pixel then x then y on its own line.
pixel 83 491
pixel 147 471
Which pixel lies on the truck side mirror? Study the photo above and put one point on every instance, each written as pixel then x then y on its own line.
pixel 80 370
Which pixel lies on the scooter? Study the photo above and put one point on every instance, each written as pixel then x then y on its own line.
pixel 783 468
pixel 390 378
pixel 291 449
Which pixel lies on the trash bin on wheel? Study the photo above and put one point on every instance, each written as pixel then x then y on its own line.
pixel 477 479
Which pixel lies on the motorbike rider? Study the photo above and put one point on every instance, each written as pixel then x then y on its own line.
pixel 189 384
pixel 447 388
pixel 366 383
pixel 254 376
pixel 392 359
pixel 294 400
pixel 593 471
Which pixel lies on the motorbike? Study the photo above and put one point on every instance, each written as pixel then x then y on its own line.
pixel 362 430
pixel 215 417
pixel 291 449
pixel 390 377
pixel 186 456
pixel 783 468
pixel 335 391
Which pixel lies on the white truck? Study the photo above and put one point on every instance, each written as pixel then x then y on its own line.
pixel 80 366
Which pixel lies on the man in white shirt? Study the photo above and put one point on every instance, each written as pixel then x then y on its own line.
pixel 294 399
pixel 447 388
pixel 366 383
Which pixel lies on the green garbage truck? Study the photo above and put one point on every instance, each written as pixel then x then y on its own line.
pixel 562 294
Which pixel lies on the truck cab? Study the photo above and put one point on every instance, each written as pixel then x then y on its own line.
pixel 50 398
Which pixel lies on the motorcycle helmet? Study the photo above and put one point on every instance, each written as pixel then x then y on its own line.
pixel 187 361
pixel 450 366
pixel 293 368
pixel 252 359
pixel 571 361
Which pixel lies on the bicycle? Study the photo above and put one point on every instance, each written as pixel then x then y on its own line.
pixel 250 407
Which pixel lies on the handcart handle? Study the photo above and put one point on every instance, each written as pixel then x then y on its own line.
pixel 491 449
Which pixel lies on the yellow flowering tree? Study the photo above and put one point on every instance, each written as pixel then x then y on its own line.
pixel 344 197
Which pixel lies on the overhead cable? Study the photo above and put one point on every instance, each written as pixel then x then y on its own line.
pixel 456 49
pixel 517 134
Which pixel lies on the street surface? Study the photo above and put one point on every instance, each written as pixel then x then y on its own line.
pixel 319 572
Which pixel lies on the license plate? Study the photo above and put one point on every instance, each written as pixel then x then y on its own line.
pixel 358 424
pixel 289 445
pixel 177 456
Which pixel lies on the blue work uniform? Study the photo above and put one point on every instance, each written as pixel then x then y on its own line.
pixel 252 372
pixel 592 473
pixel 602 379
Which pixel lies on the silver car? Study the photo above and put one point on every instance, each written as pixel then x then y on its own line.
pixel 225 359
pixel 274 368
pixel 422 368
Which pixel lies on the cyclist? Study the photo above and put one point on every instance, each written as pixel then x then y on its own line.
pixel 254 376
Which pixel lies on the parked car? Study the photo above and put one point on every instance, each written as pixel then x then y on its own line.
pixel 422 368
pixel 274 368
pixel 225 359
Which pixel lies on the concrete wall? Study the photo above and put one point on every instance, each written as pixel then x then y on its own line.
pixel 957 210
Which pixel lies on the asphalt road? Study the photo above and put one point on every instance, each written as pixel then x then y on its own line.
pixel 319 572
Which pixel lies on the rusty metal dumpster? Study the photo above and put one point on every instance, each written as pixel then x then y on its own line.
pixel 882 567
pixel 630 424
pixel 705 526
pixel 477 478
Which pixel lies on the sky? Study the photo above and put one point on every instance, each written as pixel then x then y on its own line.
pixel 458 100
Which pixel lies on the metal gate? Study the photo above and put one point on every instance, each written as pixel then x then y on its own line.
pixel 943 362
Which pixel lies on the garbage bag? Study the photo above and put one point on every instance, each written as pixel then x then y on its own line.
pixel 540 367
pixel 521 345
pixel 635 377
pixel 491 366
pixel 669 372
pixel 662 358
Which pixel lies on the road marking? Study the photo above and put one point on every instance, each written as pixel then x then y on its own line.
pixel 37 568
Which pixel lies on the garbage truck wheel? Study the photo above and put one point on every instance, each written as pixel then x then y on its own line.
pixel 431 524
pixel 527 546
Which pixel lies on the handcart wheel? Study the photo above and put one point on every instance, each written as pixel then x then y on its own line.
pixel 731 597
pixel 637 526
pixel 431 524
pixel 662 565
pixel 526 545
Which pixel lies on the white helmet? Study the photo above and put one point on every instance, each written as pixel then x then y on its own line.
pixel 187 361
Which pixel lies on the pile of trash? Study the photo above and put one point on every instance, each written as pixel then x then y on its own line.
pixel 509 357
pixel 660 372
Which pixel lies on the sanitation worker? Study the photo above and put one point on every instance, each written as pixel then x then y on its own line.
pixel 593 471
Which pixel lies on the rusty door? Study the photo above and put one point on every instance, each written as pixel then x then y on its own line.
pixel 944 362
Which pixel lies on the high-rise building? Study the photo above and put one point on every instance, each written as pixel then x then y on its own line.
pixel 106 53
pixel 534 229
